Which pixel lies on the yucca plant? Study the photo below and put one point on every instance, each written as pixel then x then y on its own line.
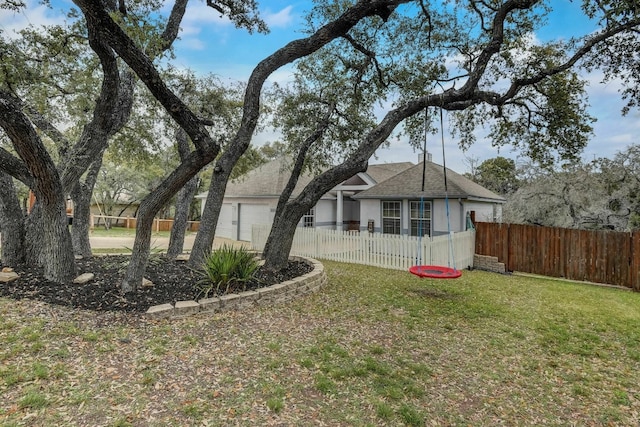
pixel 227 268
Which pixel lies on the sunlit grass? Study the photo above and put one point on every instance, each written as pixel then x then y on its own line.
pixel 373 347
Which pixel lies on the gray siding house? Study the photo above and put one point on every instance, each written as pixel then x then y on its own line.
pixel 399 206
pixel 380 198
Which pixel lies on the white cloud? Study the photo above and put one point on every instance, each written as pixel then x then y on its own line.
pixel 192 43
pixel 597 88
pixel 282 19
pixel 199 16
pixel 282 76
pixel 202 21
pixel 33 14
pixel 612 132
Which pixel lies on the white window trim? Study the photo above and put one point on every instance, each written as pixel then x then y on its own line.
pixel 398 218
pixel 428 219
pixel 309 219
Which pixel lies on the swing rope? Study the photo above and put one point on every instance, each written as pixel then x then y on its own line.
pixel 446 198
pixel 431 270
pixel 424 172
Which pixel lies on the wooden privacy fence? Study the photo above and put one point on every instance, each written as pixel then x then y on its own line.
pixel 379 250
pixel 130 222
pixel 595 256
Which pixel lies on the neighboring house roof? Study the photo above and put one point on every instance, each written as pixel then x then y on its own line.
pixel 408 185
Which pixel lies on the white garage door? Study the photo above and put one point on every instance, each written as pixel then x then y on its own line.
pixel 251 214
pixel 225 222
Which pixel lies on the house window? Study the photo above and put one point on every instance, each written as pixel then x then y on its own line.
pixel 308 218
pixel 391 217
pixel 420 218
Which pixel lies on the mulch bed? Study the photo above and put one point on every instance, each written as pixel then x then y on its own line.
pixel 173 281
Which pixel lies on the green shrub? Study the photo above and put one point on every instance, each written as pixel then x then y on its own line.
pixel 227 268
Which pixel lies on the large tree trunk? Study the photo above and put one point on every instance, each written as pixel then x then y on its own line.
pixel 204 239
pixel 12 225
pixel 280 210
pixel 112 113
pixel 280 240
pixel 48 241
pixel 57 249
pixel 278 246
pixel 181 218
pixel 81 195
pixel 34 230
pixel 149 208
pixel 141 248
pixel 295 174
pixel 183 202
pixel 80 229
pixel 56 255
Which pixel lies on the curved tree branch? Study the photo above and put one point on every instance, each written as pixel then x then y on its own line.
pixel 107 30
pixel 580 53
pixel 14 166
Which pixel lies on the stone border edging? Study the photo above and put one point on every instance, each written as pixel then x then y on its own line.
pixel 488 263
pixel 278 293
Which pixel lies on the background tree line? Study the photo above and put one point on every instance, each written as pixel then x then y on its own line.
pixel 601 194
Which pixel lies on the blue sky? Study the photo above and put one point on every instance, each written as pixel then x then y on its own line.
pixel 209 44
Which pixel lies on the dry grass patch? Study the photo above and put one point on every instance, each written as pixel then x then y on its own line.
pixel 374 347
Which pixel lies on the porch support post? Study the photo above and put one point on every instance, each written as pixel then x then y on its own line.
pixel 339 209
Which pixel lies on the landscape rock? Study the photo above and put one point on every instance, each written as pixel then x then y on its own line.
pixel 7 270
pixel 8 276
pixel 83 278
pixel 146 283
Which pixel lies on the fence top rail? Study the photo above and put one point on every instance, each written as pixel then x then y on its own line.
pixel 112 216
pixel 365 234
pixel 133 217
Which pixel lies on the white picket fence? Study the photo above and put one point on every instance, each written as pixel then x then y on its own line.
pixel 380 250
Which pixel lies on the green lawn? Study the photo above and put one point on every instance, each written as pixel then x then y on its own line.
pixel 375 347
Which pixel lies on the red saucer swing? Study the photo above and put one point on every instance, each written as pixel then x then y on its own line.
pixel 434 271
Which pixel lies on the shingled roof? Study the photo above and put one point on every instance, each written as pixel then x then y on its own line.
pixel 408 185
pixel 267 180
pixel 384 171
pixel 270 179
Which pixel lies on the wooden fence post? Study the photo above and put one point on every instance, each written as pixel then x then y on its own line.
pixel 634 268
